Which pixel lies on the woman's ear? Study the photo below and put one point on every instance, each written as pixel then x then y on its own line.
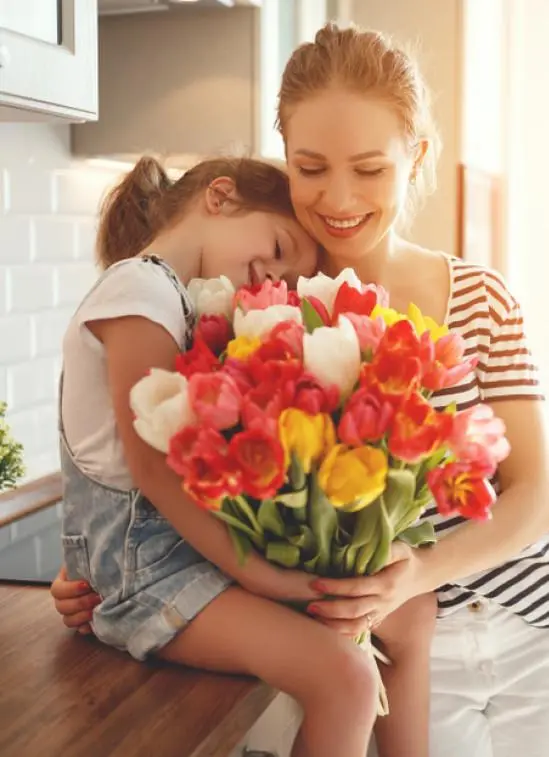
pixel 219 191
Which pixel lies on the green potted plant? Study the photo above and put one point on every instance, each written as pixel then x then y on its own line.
pixel 11 454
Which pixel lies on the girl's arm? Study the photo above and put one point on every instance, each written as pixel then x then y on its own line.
pixel 133 346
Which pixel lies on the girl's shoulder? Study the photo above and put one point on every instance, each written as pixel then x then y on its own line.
pixel 139 287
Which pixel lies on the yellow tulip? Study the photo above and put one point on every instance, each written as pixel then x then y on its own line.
pixel 243 346
pixel 309 437
pixel 424 323
pixel 353 478
pixel 389 315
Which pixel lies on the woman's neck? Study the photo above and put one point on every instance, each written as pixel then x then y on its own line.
pixel 374 267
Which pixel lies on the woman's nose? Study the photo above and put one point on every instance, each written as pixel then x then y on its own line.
pixel 338 195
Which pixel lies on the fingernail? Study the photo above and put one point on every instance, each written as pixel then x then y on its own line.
pixel 319 586
pixel 95 600
pixel 84 586
pixel 314 609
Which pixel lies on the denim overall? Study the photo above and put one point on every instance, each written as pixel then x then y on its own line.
pixel 151 581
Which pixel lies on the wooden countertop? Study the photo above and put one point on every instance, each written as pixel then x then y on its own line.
pixel 62 695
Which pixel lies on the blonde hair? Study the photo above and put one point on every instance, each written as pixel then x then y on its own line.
pixel 364 62
pixel 147 200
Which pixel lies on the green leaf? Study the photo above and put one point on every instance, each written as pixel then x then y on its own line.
pixel 365 525
pixel 338 559
pixel 282 553
pixel 242 545
pixel 323 522
pixel 311 319
pixel 399 494
pixel 304 540
pixel 269 517
pixel 298 479
pixel 231 520
pixel 247 510
pixel 420 535
pixel 293 499
pixel 386 536
pixel 436 459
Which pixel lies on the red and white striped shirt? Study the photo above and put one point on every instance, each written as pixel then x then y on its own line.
pixel 483 311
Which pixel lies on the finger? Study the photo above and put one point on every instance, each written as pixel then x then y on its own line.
pixel 63 589
pixel 85 630
pixel 344 609
pixel 350 628
pixel 74 606
pixel 346 587
pixel 77 620
pixel 399 551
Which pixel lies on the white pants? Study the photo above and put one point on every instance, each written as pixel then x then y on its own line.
pixel 490 685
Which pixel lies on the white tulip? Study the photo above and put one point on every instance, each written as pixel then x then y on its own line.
pixel 161 407
pixel 332 355
pixel 258 323
pixel 325 288
pixel 212 296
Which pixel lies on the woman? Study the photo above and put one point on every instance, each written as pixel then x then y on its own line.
pixel 354 114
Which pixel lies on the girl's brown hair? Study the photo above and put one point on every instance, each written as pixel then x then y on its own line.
pixel 147 200
pixel 364 62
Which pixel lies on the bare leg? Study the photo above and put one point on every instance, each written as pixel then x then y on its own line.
pixel 325 672
pixel 406 637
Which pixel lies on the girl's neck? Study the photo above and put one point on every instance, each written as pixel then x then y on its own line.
pixel 180 247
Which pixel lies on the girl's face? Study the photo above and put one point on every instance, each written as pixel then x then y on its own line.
pixel 249 247
pixel 350 167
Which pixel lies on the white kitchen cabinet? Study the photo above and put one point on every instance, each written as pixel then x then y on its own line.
pixel 48 59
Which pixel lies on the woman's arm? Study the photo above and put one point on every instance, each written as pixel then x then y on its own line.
pixel 520 515
pixel 133 345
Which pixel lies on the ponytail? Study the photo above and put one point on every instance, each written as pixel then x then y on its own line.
pixel 130 215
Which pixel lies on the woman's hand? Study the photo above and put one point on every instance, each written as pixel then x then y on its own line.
pixel 74 601
pixel 354 605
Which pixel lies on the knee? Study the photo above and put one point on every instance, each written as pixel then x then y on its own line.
pixel 349 675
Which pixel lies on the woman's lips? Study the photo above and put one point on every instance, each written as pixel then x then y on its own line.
pixel 345 227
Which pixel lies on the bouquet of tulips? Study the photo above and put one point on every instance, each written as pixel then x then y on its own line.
pixel 302 420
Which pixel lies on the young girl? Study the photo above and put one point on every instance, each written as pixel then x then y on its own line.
pixel 166 571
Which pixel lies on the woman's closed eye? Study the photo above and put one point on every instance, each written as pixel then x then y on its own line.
pixel 311 172
pixel 278 250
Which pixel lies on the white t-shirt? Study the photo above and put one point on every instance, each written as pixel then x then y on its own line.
pixel 134 287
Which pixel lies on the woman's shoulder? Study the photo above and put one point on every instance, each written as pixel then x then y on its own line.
pixel 475 284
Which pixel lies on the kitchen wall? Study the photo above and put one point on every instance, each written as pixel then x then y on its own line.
pixel 48 204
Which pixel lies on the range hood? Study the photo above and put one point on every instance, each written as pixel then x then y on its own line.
pixel 119 7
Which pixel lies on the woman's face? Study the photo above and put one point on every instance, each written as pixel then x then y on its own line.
pixel 349 166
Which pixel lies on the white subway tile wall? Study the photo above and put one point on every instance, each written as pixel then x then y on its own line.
pixel 48 213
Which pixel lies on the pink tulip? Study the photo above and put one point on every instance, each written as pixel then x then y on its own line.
pixel 215 399
pixel 479 435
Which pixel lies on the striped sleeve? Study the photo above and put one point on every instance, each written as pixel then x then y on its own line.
pixel 507 371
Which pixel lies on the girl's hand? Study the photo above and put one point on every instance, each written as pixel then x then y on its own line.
pixel 280 584
pixel 74 601
pixel 354 605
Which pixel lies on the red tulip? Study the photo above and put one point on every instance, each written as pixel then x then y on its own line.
pixel 198 359
pixel 259 457
pixel 462 489
pixel 215 331
pixel 366 418
pixel 418 430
